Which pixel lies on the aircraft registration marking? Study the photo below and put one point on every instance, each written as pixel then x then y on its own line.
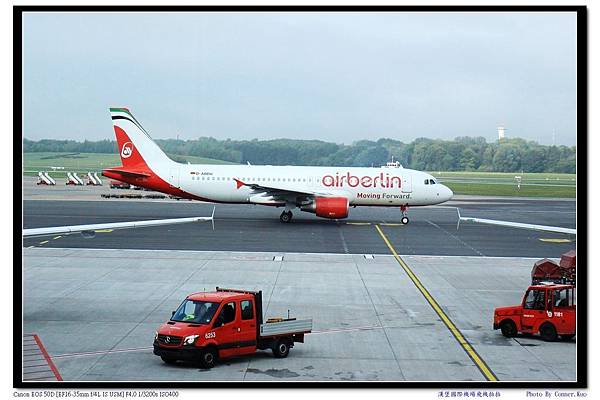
pixel 473 355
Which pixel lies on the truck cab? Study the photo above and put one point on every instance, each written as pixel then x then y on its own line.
pixel 227 322
pixel 547 309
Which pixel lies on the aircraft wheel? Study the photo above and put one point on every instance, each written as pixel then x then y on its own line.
pixel 285 216
pixel 404 220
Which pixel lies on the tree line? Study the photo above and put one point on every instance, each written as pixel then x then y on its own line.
pixel 460 154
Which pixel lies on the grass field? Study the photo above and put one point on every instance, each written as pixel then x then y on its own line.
pixel 505 184
pixel 483 189
pixel 86 162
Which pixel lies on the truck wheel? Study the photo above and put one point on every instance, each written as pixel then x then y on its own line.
pixel 281 348
pixel 508 328
pixel 548 332
pixel 566 337
pixel 208 358
pixel 168 360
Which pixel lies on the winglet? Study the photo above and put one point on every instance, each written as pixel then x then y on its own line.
pixel 239 183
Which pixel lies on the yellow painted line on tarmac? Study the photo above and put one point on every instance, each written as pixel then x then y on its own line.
pixel 481 365
pixel 56 237
pixel 44 242
pixel 358 223
pixel 556 240
pixel 104 230
pixel 390 224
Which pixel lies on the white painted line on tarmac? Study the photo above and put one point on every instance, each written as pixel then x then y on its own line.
pixel 272 253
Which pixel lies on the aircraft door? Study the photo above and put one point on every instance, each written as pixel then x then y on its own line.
pixel 406 182
pixel 174 177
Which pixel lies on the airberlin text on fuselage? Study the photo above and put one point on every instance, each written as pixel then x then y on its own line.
pixel 382 180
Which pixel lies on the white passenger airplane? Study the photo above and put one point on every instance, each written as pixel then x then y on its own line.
pixel 327 192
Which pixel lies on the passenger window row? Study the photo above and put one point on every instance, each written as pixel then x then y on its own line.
pixel 252 179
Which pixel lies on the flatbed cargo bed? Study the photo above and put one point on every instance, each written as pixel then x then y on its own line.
pixel 285 328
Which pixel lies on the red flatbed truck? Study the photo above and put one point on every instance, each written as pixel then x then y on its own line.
pixel 208 326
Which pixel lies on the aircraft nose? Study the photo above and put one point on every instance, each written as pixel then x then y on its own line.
pixel 448 193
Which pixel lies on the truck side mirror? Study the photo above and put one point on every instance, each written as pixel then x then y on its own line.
pixel 172 314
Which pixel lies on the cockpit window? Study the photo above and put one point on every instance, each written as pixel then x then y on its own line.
pixel 431 181
pixel 427 181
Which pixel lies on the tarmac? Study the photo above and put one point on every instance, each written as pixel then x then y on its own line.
pixel 96 303
pixel 96 312
pixel 431 231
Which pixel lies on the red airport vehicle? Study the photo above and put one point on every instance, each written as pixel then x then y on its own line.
pixel 549 309
pixel 549 304
pixel 119 185
pixel 208 326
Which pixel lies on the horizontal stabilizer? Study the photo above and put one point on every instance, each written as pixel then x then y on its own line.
pixel 125 172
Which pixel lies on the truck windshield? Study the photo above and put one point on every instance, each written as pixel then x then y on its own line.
pixel 195 312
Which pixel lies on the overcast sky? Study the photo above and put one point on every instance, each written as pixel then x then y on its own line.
pixel 337 77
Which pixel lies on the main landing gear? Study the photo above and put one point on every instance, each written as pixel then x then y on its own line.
pixel 286 216
pixel 404 219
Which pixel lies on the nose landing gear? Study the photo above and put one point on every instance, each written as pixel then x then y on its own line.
pixel 404 210
pixel 286 216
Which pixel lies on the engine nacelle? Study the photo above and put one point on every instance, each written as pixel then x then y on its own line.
pixel 328 207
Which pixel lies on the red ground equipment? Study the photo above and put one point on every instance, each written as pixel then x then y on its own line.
pixel 548 271
pixel 549 304
pixel 227 322
pixel 119 185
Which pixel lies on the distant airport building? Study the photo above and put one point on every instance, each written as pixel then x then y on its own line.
pixel 501 132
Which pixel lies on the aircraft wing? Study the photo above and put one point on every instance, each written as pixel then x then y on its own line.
pixel 545 228
pixel 282 192
pixel 89 231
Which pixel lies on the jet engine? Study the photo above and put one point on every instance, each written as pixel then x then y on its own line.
pixel 328 207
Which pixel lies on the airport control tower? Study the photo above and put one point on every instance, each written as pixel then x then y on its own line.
pixel 501 131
